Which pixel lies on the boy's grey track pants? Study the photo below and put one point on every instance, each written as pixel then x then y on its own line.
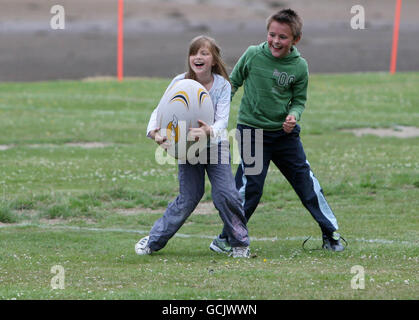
pixel 225 196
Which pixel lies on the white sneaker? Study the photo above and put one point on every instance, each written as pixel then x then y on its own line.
pixel 141 247
pixel 240 252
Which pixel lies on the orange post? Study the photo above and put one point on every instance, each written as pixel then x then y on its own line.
pixel 393 61
pixel 120 54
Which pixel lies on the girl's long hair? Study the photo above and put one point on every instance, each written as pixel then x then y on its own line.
pixel 205 41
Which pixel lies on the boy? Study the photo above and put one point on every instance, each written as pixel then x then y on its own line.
pixel 275 79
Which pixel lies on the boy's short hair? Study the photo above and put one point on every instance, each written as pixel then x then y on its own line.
pixel 289 17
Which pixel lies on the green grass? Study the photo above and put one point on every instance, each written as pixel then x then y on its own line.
pixel 84 209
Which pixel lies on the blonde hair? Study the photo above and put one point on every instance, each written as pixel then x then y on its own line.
pixel 219 65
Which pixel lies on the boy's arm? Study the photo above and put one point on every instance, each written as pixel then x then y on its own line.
pixel 239 73
pixel 299 96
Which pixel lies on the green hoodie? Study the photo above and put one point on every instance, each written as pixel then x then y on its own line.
pixel 273 87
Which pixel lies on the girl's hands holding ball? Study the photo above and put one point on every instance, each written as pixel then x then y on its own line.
pixel 203 131
pixel 160 140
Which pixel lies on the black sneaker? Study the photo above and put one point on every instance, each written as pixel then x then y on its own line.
pixel 332 242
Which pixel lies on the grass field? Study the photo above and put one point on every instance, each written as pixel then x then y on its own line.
pixel 84 206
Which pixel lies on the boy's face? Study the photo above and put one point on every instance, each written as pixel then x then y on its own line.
pixel 280 39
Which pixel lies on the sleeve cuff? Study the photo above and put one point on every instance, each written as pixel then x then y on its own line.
pixel 296 115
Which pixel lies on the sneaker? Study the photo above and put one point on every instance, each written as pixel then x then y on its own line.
pixel 220 245
pixel 240 252
pixel 141 247
pixel 332 242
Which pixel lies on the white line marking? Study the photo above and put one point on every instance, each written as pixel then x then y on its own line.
pixel 199 236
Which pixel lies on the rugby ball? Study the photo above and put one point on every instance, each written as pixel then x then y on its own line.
pixel 180 108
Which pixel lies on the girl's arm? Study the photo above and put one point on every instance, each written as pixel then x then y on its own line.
pixel 152 123
pixel 222 111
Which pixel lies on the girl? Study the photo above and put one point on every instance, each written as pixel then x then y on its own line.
pixel 205 66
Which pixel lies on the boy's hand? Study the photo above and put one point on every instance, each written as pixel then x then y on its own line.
pixel 203 131
pixel 160 140
pixel 289 123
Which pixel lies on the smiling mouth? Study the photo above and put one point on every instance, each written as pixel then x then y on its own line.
pixel 199 64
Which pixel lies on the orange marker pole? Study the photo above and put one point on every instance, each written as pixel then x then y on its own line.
pixel 393 61
pixel 120 54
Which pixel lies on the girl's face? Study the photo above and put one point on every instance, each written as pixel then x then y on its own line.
pixel 280 39
pixel 202 62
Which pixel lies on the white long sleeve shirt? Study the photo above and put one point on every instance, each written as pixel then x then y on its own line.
pixel 220 94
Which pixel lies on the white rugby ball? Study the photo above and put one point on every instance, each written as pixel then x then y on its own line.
pixel 180 108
